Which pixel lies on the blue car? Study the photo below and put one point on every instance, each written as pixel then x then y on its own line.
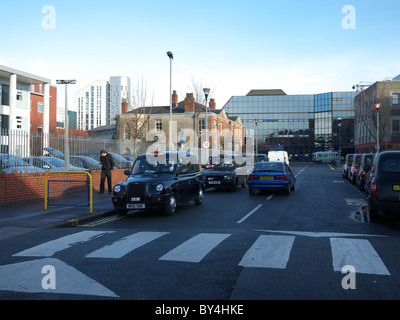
pixel 271 176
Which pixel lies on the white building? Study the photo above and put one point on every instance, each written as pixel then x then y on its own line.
pixel 99 103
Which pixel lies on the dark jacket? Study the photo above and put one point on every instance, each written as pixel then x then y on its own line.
pixel 107 162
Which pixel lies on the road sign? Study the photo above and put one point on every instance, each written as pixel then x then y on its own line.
pixel 206 144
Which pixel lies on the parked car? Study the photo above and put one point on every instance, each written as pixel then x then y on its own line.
pixel 119 161
pixel 384 191
pixel 223 172
pixel 355 164
pixel 54 153
pixel 50 164
pixel 87 163
pixel 271 176
pixel 363 170
pixel 159 181
pixel 13 164
pixel 346 165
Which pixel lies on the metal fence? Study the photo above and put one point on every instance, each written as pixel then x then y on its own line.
pixel 18 144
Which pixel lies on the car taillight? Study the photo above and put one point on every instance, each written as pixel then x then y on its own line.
pixel 374 188
pixel 363 173
pixel 252 177
pixel 281 177
pixel 355 170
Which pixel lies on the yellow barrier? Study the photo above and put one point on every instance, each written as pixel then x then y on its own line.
pixel 70 172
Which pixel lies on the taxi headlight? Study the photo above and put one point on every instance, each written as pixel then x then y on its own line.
pixel 159 187
pixel 117 188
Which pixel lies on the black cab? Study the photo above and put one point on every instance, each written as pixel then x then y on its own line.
pixel 159 180
pixel 363 170
pixel 384 189
pixel 224 172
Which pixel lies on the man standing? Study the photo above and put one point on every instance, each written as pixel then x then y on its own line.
pixel 107 164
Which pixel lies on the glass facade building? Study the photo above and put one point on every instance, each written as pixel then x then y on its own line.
pixel 298 124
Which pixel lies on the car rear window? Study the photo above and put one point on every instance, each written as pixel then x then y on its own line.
pixel 391 164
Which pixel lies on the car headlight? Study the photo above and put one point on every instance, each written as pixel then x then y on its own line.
pixel 228 177
pixel 117 188
pixel 159 187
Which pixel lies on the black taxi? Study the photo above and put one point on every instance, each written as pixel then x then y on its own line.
pixel 159 180
pixel 224 171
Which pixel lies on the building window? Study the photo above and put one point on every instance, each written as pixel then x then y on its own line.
pixel 395 127
pixel 127 132
pixel 40 107
pixel 158 126
pixel 395 99
pixel 202 124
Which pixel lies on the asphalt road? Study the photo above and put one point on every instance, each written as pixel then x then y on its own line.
pixel 234 247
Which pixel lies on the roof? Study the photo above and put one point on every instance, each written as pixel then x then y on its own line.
pixel 266 92
pixel 23 76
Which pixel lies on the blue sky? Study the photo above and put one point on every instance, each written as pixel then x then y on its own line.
pixel 232 46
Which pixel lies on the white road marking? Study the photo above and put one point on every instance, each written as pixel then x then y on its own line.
pixel 28 276
pixel 269 252
pixel 196 248
pixel 249 214
pixel 122 247
pixel 48 249
pixel 358 253
pixel 322 234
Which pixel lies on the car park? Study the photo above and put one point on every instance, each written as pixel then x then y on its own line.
pixel 355 164
pixel 50 164
pixel 12 164
pixel 346 164
pixel 87 163
pixel 119 161
pixel 384 190
pixel 223 172
pixel 159 181
pixel 363 170
pixel 271 176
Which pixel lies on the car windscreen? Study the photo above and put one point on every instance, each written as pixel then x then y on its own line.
pixel 12 161
pixel 390 164
pixel 268 167
pixel 222 162
pixel 54 161
pixel 142 166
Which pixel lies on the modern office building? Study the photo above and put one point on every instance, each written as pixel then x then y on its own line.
pixel 99 103
pixel 298 124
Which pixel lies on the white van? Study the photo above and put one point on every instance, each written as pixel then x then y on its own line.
pixel 280 156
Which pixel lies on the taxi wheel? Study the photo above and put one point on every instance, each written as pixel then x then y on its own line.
pixel 122 212
pixel 170 207
pixel 200 197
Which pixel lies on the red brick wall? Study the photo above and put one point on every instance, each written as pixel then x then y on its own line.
pixel 30 186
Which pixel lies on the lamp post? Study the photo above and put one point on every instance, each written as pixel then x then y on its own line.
pixel 171 57
pixel 66 124
pixel 206 92
pixel 377 106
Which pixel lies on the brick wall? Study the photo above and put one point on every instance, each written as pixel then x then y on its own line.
pixel 30 186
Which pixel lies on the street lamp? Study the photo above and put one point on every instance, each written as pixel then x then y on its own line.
pixel 206 93
pixel 377 106
pixel 66 124
pixel 171 57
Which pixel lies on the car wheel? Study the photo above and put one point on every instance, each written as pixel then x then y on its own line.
pixel 234 187
pixel 170 207
pixel 252 191
pixel 287 191
pixel 294 186
pixel 200 197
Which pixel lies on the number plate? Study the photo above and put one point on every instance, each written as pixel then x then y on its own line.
pixel 266 177
pixel 135 206
pixel 214 182
pixel 396 187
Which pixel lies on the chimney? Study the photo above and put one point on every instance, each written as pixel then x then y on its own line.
pixel 174 99
pixel 212 105
pixel 189 102
pixel 124 106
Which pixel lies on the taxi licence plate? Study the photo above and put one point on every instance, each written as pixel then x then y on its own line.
pixel 135 206
pixel 214 182
pixel 266 178
pixel 396 187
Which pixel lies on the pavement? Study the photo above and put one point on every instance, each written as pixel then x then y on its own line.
pixel 23 217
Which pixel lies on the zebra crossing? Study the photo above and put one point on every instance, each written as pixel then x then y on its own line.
pixel 269 251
